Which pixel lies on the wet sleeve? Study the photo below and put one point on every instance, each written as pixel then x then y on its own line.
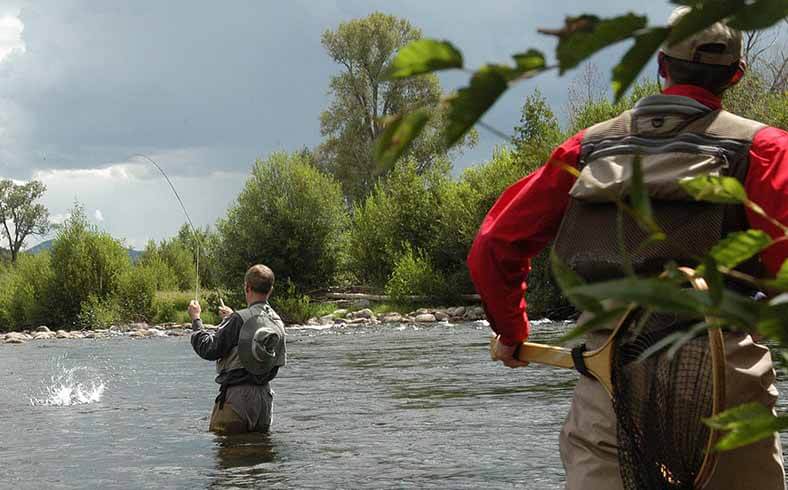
pixel 767 185
pixel 213 346
pixel 520 224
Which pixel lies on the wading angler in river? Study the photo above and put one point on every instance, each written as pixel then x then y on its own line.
pixel 249 348
pixel 651 435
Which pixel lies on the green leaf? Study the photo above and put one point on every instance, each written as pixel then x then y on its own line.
pixel 638 196
pixel 529 61
pixel 567 280
pixel 469 103
pixel 758 15
pixel 738 247
pixel 712 188
pixel 781 280
pixel 585 35
pixel 773 320
pixel 745 424
pixel 658 294
pixel 713 278
pixel 599 320
pixel 674 341
pixel 398 136
pixel 424 56
pixel 647 42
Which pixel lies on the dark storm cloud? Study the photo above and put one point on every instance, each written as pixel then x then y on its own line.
pixel 222 82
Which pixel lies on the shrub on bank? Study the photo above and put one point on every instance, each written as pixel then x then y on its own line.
pixel 414 275
pixel 400 212
pixel 86 262
pixel 24 289
pixel 172 306
pixel 289 216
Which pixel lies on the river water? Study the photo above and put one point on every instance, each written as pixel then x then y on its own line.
pixel 357 407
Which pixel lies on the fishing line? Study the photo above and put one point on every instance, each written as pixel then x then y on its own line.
pixel 188 218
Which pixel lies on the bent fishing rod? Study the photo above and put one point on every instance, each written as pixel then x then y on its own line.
pixel 188 219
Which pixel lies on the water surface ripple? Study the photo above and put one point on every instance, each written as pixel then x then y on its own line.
pixel 357 407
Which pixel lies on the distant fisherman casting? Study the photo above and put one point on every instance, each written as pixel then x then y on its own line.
pixel 249 348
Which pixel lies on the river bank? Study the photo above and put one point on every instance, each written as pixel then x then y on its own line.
pixel 339 318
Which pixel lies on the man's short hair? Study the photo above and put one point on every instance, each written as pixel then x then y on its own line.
pixel 259 278
pixel 714 78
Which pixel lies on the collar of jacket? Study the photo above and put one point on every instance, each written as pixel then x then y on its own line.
pixel 697 93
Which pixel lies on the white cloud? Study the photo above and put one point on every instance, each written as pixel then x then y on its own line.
pixel 59 219
pixel 141 206
pixel 11 36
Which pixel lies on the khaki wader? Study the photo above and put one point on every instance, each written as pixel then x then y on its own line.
pixel 246 408
pixel 588 438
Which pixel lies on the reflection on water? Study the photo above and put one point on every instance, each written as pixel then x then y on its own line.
pixel 246 461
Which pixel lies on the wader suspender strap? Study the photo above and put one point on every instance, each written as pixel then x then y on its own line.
pixel 579 361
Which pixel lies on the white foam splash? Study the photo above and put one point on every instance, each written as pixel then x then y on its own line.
pixel 68 389
pixel 540 321
pixel 312 327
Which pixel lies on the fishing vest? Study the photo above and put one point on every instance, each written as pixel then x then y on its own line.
pixel 675 138
pixel 232 360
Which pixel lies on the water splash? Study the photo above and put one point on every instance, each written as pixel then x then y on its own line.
pixel 71 386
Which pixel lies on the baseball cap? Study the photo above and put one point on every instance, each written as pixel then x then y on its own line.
pixel 726 40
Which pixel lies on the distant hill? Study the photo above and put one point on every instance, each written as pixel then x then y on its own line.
pixel 134 255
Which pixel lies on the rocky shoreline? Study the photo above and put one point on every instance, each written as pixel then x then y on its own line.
pixel 339 318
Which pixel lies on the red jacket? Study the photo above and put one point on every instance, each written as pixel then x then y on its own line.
pixel 527 215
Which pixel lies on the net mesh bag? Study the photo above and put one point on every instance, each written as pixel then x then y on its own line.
pixel 659 403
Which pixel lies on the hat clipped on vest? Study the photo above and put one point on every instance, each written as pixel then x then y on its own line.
pixel 261 344
pixel 729 40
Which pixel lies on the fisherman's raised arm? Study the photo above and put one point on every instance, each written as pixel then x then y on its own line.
pixel 212 346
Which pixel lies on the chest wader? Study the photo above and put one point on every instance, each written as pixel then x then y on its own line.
pixel 233 361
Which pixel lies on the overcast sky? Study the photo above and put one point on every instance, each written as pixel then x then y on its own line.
pixel 204 88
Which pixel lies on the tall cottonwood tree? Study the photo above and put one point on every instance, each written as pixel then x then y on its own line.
pixel 363 98
pixel 20 215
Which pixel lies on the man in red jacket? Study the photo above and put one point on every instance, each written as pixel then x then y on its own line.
pixel 681 133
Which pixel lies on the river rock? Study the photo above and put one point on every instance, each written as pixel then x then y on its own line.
pixel 16 336
pixel 313 322
pixel 392 317
pixel 456 312
pixel 474 313
pixel 422 311
pixel 62 334
pixel 365 313
pixel 340 312
pixel 43 328
pixel 358 321
pixel 326 320
pixel 14 340
pixel 425 318
pixel 138 326
pixel 441 316
pixel 76 335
